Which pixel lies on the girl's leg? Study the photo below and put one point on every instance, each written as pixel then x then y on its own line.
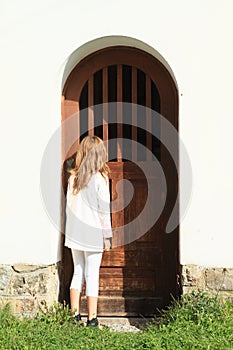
pixel 75 300
pixel 92 307
pixel 92 266
pixel 77 280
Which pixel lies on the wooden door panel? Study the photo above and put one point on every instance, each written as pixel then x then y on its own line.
pixel 137 257
pixel 123 272
pixel 127 281
pixel 128 306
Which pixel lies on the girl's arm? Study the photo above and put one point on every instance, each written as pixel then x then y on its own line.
pixel 104 207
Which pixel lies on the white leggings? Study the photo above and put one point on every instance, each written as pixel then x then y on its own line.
pixel 86 265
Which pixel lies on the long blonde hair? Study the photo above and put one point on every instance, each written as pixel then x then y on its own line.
pixel 91 157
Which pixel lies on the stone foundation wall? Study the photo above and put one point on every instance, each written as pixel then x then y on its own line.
pixel 212 280
pixel 28 287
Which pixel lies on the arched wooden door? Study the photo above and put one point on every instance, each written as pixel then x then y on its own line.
pixel 138 277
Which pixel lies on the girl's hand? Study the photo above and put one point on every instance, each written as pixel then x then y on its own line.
pixel 107 244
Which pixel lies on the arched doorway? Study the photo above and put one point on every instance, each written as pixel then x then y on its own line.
pixel 138 277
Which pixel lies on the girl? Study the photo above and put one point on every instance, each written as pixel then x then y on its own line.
pixel 88 225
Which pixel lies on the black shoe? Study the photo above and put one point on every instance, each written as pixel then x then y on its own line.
pixel 77 317
pixel 93 322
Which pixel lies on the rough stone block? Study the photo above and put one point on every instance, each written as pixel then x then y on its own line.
pixel 16 304
pixel 29 306
pixel 5 275
pixel 219 279
pixel 17 285
pixel 26 267
pixel 33 283
pixel 193 276
pixel 28 288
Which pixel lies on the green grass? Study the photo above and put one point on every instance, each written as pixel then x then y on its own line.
pixel 195 322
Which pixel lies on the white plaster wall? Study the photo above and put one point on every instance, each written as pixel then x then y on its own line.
pixel 37 38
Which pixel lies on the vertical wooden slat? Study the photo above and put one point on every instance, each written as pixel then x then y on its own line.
pixel 90 105
pixel 70 127
pixel 105 106
pixel 78 113
pixel 62 130
pixel 119 113
pixel 148 119
pixel 134 113
pixel 78 122
pixel 117 197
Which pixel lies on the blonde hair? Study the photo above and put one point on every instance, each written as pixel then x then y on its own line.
pixel 91 157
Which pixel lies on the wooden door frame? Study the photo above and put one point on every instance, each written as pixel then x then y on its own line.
pixel 168 108
pixel 128 56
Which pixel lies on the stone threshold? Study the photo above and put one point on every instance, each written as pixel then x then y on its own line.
pixel 122 324
pixel 140 322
